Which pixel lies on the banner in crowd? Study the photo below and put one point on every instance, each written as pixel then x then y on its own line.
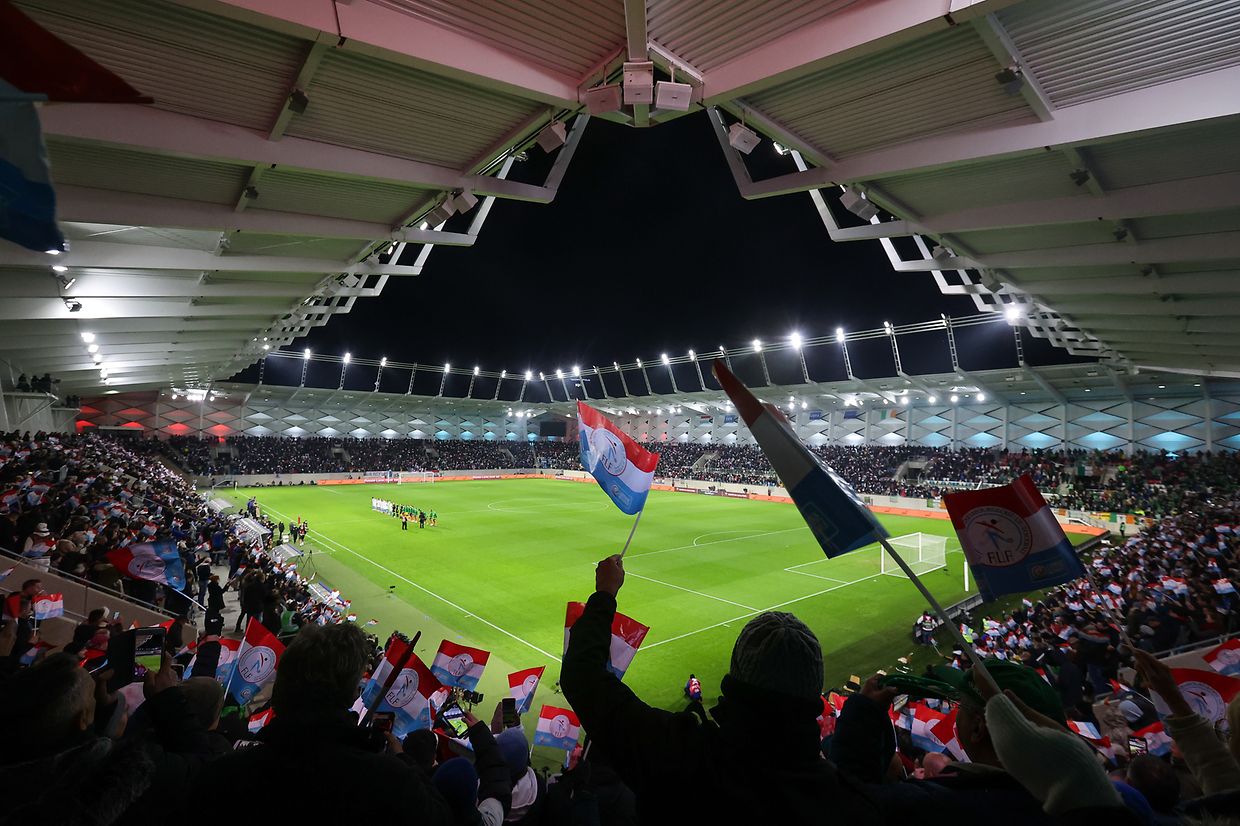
pixel 256 662
pixel 156 561
pixel 835 515
pixel 408 697
pixel 48 606
pixel 1225 659
pixel 1011 539
pixel 626 637
pixel 523 684
pixel 458 666
pixel 1207 692
pixel 558 728
pixel 622 467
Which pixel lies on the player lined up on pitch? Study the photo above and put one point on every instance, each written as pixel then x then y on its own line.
pixel 405 514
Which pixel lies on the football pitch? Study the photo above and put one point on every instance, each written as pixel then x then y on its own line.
pixel 508 555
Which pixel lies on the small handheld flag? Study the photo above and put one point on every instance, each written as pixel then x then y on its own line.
pixel 558 728
pixel 1011 539
pixel 1225 659
pixel 260 720
pixel 156 561
pixel 48 606
pixel 458 666
pixel 256 662
pixel 622 467
pixel 835 514
pixel 1206 692
pixel 407 693
pixel 523 684
pixel 626 637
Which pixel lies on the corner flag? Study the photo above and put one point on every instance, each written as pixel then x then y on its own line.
pixel 622 467
pixel 835 514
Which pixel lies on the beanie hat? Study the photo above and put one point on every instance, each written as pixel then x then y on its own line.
pixel 515 750
pixel 777 652
pixel 457 781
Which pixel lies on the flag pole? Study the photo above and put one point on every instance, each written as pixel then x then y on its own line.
pixel 391 678
pixel 941 614
pixel 625 549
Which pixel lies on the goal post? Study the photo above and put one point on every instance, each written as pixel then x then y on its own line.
pixel 924 552
pixel 409 476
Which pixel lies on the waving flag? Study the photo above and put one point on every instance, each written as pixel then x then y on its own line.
pixel 48 606
pixel 626 637
pixel 392 657
pixel 523 684
pixel 156 561
pixel 945 732
pixel 622 467
pixel 558 728
pixel 260 720
pixel 409 694
pixel 835 514
pixel 921 722
pixel 256 662
pixel 1225 659
pixel 223 665
pixel 458 666
pixel 1207 692
pixel 1011 539
pixel 1157 741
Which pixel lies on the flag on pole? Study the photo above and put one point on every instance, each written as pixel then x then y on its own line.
pixel 409 694
pixel 1088 731
pixel 558 728
pixel 1207 692
pixel 945 732
pixel 156 561
pixel 626 637
pixel 523 684
pixel 622 467
pixel 260 720
pixel 48 606
pixel 223 666
pixel 257 658
pixel 458 666
pixel 835 514
pixel 1225 659
pixel 1011 539
pixel 392 656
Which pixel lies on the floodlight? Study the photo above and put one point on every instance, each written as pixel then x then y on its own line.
pixel 475 369
pixel 1010 80
pixel 73 305
pixel 792 398
pixel 446 367
pixel 1012 314
pixel 439 214
pixel 638 82
pixel 666 360
pixel 503 374
pixel 888 328
pixel 94 348
pixel 757 345
pixel 692 356
pixel 542 376
pixel 95 357
pixel 553 136
pixel 602 99
pixel 780 148
pixel 347 358
pixel 677 97
pixel 383 362
pixel 59 268
pixel 559 374
pixel 855 202
pixel 795 338
pixel 306 354
pixel 88 337
pixel 52 252
pixel 933 399
pixel 639 362
pixel 839 334
pixel 904 400
pixel 266 346
pixel 465 201
pixel 576 370
pixel 804 405
pixel 954 398
pixel 529 375
pixel 981 397
pixel 742 138
pixel 659 411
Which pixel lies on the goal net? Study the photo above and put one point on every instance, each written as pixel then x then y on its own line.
pixel 923 552
pixel 406 476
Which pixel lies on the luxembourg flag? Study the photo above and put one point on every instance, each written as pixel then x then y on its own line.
pixel 945 732
pixel 1225 659
pixel 1088 731
pixel 48 606
pixel 409 694
pixel 259 721
pixel 622 468
pixel 458 666
pixel 256 663
pixel 392 657
pixel 156 561
pixel 223 666
pixel 1206 692
pixel 523 684
pixel 558 728
pixel 626 637
pixel 1157 741
pixel 835 514
pixel 1011 539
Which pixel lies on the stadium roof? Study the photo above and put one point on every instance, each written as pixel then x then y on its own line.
pixel 1074 162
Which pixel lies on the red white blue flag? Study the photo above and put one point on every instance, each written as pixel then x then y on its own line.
pixel 626 637
pixel 1206 692
pixel 156 561
pixel 256 662
pixel 459 666
pixel 1225 659
pixel 48 606
pixel 558 728
pixel 260 720
pixel 408 697
pixel 622 467
pixel 1011 539
pixel 836 516
pixel 523 684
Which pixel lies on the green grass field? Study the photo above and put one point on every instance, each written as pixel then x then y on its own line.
pixel 507 556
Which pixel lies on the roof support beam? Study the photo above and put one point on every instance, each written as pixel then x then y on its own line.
pixel 1046 386
pixel 133 308
pixel 103 284
pixel 170 133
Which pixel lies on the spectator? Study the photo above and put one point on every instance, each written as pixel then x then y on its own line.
pixel 684 770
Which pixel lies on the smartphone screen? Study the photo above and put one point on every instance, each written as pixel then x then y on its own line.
pixel 511 718
pixel 148 647
pixel 383 720
pixel 451 718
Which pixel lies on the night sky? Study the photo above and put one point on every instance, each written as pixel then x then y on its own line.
pixel 649 248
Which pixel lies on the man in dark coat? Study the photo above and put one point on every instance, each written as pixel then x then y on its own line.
pixel 759 761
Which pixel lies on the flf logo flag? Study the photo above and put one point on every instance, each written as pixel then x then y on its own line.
pixel 622 467
pixel 523 684
pixel 835 514
pixel 156 561
pixel 409 694
pixel 626 637
pixel 557 728
pixel 392 657
pixel 1225 659
pixel 458 666
pixel 256 662
pixel 1011 539
pixel 48 606
pixel 1207 692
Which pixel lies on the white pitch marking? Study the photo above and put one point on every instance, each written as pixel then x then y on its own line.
pixel 715 542
pixel 690 591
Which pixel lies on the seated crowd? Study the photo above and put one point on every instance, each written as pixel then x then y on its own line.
pixel 772 749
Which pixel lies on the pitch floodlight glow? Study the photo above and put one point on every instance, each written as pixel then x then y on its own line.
pixel 1012 314
pixel 981 397
pixel 94 348
pixel 757 345
pixel 475 369
pixel 666 360
pixel 559 374
pixel 88 337
pixel 795 338
pixel 306 354
pixel 839 334
pixel 348 358
pixel 529 375
pixel 954 398
pixel 576 370
pixel 933 399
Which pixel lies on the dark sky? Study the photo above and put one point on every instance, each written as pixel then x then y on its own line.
pixel 649 248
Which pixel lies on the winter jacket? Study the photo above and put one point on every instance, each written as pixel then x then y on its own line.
pixel 750 765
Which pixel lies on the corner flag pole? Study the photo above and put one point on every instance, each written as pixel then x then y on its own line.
pixel 625 549
pixel 941 614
